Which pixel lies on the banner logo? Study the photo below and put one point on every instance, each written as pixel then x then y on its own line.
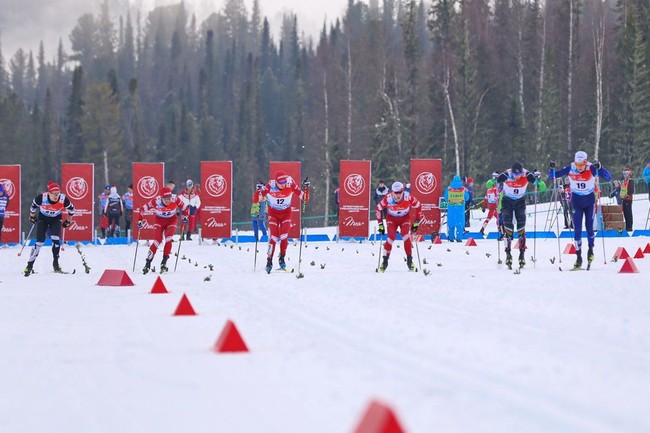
pixel 8 185
pixel 426 182
pixel 354 184
pixel 147 187
pixel 216 185
pixel 77 188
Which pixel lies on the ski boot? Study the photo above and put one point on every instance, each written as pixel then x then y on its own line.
pixel 55 265
pixel 147 266
pixel 28 269
pixel 508 258
pixel 482 232
pixel 590 257
pixel 522 258
pixel 409 263
pixel 269 265
pixel 163 265
pixel 578 264
pixel 188 237
pixel 281 262
pixel 384 264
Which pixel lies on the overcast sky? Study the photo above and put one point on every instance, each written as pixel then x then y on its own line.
pixel 24 23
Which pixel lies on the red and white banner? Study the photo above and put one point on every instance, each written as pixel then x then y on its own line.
pixel 10 180
pixel 426 182
pixel 354 198
pixel 216 199
pixel 147 183
pixel 292 168
pixel 77 183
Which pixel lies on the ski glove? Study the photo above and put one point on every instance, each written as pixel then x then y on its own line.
pixel 66 224
pixel 33 219
pixel 414 227
pixel 598 165
pixel 140 224
pixel 381 229
pixel 552 164
pixel 531 177
pixel 306 183
pixel 259 186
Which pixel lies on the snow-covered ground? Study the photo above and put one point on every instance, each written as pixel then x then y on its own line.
pixel 472 347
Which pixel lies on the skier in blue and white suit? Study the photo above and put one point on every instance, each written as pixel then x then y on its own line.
pixel 582 182
pixel 456 195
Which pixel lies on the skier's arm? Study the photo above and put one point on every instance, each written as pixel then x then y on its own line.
pixel 69 206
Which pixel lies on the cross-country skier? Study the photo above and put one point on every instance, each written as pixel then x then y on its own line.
pixel 513 206
pixel 279 193
pixel 4 202
pixel 50 206
pixel 582 180
pixel 456 196
pixel 190 195
pixel 398 205
pixel 113 210
pixel 490 203
pixel 166 208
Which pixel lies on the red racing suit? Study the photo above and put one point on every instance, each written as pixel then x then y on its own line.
pixel 398 215
pixel 279 212
pixel 165 222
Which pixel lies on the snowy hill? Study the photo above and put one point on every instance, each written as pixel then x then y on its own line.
pixel 472 347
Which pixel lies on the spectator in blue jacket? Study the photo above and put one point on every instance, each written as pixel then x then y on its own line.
pixel 456 196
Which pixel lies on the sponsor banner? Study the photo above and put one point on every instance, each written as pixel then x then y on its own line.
pixel 426 182
pixel 292 168
pixel 10 180
pixel 77 183
pixel 216 199
pixel 354 198
pixel 147 183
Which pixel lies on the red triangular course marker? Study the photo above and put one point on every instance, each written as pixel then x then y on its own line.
pixel 184 307
pixel 115 277
pixel 159 286
pixel 639 254
pixel 379 418
pixel 437 240
pixel 569 249
pixel 621 253
pixel 470 242
pixel 230 340
pixel 629 267
pixel 646 250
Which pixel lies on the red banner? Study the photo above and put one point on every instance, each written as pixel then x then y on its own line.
pixel 292 168
pixel 77 182
pixel 10 180
pixel 147 183
pixel 354 199
pixel 216 199
pixel 426 183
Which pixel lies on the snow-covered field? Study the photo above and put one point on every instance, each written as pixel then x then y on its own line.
pixel 472 347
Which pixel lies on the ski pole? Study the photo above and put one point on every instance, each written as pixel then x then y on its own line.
pixel 556 194
pixel 137 244
pixel 305 199
pixel 255 259
pixel 379 252
pixel 417 250
pixel 535 227
pixel 600 217
pixel 29 235
pixel 178 252
pixel 63 240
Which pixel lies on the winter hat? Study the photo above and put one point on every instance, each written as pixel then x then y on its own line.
pixel 517 168
pixel 397 187
pixel 581 157
pixel 53 187
pixel 281 177
pixel 470 180
pixel 113 190
pixel 189 183
pixel 166 193
pixel 107 187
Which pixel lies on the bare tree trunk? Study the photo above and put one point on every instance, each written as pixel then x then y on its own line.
pixel 540 95
pixel 520 61
pixel 570 76
pixel 445 87
pixel 328 162
pixel 106 178
pixel 349 148
pixel 599 49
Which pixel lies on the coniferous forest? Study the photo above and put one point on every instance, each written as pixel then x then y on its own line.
pixel 476 83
